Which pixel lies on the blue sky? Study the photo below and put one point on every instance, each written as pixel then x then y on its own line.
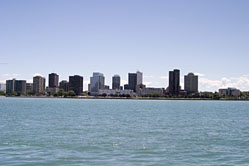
pixel 116 37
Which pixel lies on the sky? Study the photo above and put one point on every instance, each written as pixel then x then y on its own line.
pixel 69 37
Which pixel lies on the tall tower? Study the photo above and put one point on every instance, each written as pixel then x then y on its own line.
pixel 174 82
pixel 135 79
pixel 97 81
pixel 38 84
pixel 116 82
pixel 76 84
pixel 53 81
pixel 191 83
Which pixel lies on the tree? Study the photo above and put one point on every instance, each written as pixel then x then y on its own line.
pixel 71 93
pixel 55 94
pixel 2 93
pixel 61 92
pixel 155 95
pixel 30 93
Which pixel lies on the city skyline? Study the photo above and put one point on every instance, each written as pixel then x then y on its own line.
pixel 175 86
pixel 125 81
pixel 207 38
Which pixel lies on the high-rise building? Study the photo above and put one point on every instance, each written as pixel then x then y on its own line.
pixel 10 86
pixel 29 87
pixel 116 82
pixel 191 83
pixel 39 84
pixel 174 82
pixel 76 84
pixel 20 86
pixel 64 85
pixel 135 79
pixel 97 81
pixel 3 87
pixel 14 85
pixel 53 80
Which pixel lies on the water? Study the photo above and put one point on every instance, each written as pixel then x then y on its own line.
pixel 123 132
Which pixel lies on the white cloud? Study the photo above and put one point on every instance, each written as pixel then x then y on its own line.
pixel 164 77
pixel 123 82
pixel 37 74
pixel 85 84
pixel 241 83
pixel 147 83
pixel 10 75
pixel 148 76
pixel 200 74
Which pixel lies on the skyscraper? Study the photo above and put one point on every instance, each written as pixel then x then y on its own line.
pixel 14 85
pixel 29 87
pixel 174 82
pixel 10 86
pixel 116 82
pixel 76 84
pixel 135 79
pixel 20 87
pixel 53 80
pixel 97 81
pixel 64 85
pixel 191 83
pixel 39 84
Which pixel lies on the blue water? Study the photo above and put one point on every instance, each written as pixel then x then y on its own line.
pixel 123 132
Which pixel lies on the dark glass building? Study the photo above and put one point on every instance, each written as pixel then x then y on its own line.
pixel 18 86
pixel 10 86
pixel 135 79
pixel 64 85
pixel 76 84
pixel 53 80
pixel 116 82
pixel 174 82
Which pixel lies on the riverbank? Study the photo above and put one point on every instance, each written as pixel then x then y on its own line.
pixel 126 98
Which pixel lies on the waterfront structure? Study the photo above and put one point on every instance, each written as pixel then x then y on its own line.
pixel 230 92
pixel 89 87
pixel 14 85
pixel 29 87
pixel 97 82
pixel 135 79
pixel 3 87
pixel 191 83
pixel 20 86
pixel 141 90
pixel 117 92
pixel 39 84
pixel 10 86
pixel 116 82
pixel 64 85
pixel 126 86
pixel 53 82
pixel 76 84
pixel 174 82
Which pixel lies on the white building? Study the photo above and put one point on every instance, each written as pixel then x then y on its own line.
pixel 97 82
pixel 2 87
pixel 109 92
pixel 233 92
pixel 141 90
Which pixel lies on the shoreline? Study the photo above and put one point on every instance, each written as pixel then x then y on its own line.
pixel 125 98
